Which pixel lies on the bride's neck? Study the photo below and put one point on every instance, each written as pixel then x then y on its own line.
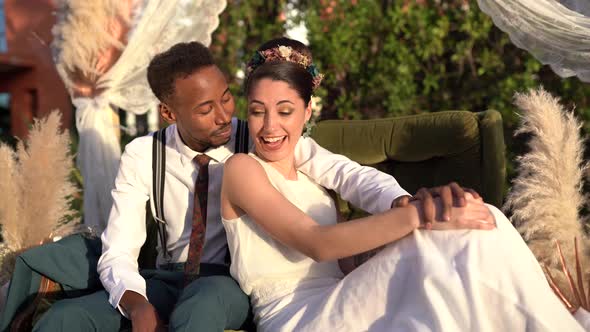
pixel 285 166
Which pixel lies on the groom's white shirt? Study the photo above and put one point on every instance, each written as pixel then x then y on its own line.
pixel 125 234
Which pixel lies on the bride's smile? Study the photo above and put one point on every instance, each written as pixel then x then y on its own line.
pixel 276 117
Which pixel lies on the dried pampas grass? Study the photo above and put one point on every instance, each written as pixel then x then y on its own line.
pixel 82 33
pixel 10 206
pixel 546 196
pixel 36 189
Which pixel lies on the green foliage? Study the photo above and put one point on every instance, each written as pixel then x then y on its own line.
pixel 388 58
pixel 385 58
pixel 243 26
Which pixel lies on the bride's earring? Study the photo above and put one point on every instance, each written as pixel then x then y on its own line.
pixel 307 129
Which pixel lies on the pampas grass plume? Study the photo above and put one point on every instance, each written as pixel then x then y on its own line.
pixel 82 33
pixel 546 196
pixel 36 189
pixel 45 166
pixel 10 205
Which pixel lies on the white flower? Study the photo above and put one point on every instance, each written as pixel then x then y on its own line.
pixel 285 51
pixel 316 106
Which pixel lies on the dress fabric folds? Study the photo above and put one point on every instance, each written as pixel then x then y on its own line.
pixel 457 280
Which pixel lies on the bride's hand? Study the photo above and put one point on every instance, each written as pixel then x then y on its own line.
pixel 474 215
pixel 450 195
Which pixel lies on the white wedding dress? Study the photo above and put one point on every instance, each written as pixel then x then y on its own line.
pixel 428 281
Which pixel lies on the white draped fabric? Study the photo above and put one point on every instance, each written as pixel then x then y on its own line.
pixel 159 25
pixel 557 33
pixel 580 6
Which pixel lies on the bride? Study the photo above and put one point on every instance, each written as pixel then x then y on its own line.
pixel 286 245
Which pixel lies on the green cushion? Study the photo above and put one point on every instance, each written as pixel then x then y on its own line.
pixel 426 150
pixel 419 151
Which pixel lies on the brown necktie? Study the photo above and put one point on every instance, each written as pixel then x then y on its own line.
pixel 197 239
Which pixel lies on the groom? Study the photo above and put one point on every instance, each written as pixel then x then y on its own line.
pixel 195 99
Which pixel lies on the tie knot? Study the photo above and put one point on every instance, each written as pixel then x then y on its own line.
pixel 202 159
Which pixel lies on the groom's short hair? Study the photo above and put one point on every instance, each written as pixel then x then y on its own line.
pixel 180 61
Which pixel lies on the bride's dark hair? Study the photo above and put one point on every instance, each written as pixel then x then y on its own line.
pixel 298 78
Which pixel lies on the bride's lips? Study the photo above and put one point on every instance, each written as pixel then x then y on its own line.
pixel 272 143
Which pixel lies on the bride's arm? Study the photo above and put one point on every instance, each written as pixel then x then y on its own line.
pixel 247 189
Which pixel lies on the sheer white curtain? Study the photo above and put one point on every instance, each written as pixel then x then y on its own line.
pixel 158 24
pixel 580 6
pixel 556 32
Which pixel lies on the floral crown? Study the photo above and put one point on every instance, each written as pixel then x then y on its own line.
pixel 285 53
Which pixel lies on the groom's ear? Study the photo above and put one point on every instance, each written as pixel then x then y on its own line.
pixel 166 113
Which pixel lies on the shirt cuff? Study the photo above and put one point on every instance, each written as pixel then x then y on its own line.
pixel 117 293
pixel 386 199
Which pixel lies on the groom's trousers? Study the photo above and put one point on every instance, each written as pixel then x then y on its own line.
pixel 213 302
pixel 210 303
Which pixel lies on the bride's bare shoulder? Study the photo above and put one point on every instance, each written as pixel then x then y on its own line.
pixel 239 160
pixel 243 166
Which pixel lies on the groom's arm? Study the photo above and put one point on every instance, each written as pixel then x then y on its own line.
pixel 126 231
pixel 363 186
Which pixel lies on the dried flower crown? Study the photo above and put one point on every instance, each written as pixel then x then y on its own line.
pixel 285 53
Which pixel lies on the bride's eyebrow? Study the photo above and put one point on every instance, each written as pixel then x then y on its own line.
pixel 256 102
pixel 285 101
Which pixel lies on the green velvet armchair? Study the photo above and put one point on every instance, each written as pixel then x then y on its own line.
pixel 426 150
pixel 423 150
pixel 419 151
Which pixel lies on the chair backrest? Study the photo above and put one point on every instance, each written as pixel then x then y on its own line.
pixel 426 150
pixel 422 150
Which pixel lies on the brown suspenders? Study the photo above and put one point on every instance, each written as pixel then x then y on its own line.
pixel 159 171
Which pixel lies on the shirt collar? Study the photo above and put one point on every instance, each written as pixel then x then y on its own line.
pixel 219 154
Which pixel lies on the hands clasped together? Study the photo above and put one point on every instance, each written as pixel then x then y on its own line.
pixel 449 207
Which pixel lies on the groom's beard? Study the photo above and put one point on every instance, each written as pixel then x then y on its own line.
pixel 220 136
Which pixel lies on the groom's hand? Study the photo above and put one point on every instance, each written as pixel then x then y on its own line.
pixel 142 314
pixel 145 318
pixel 451 194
